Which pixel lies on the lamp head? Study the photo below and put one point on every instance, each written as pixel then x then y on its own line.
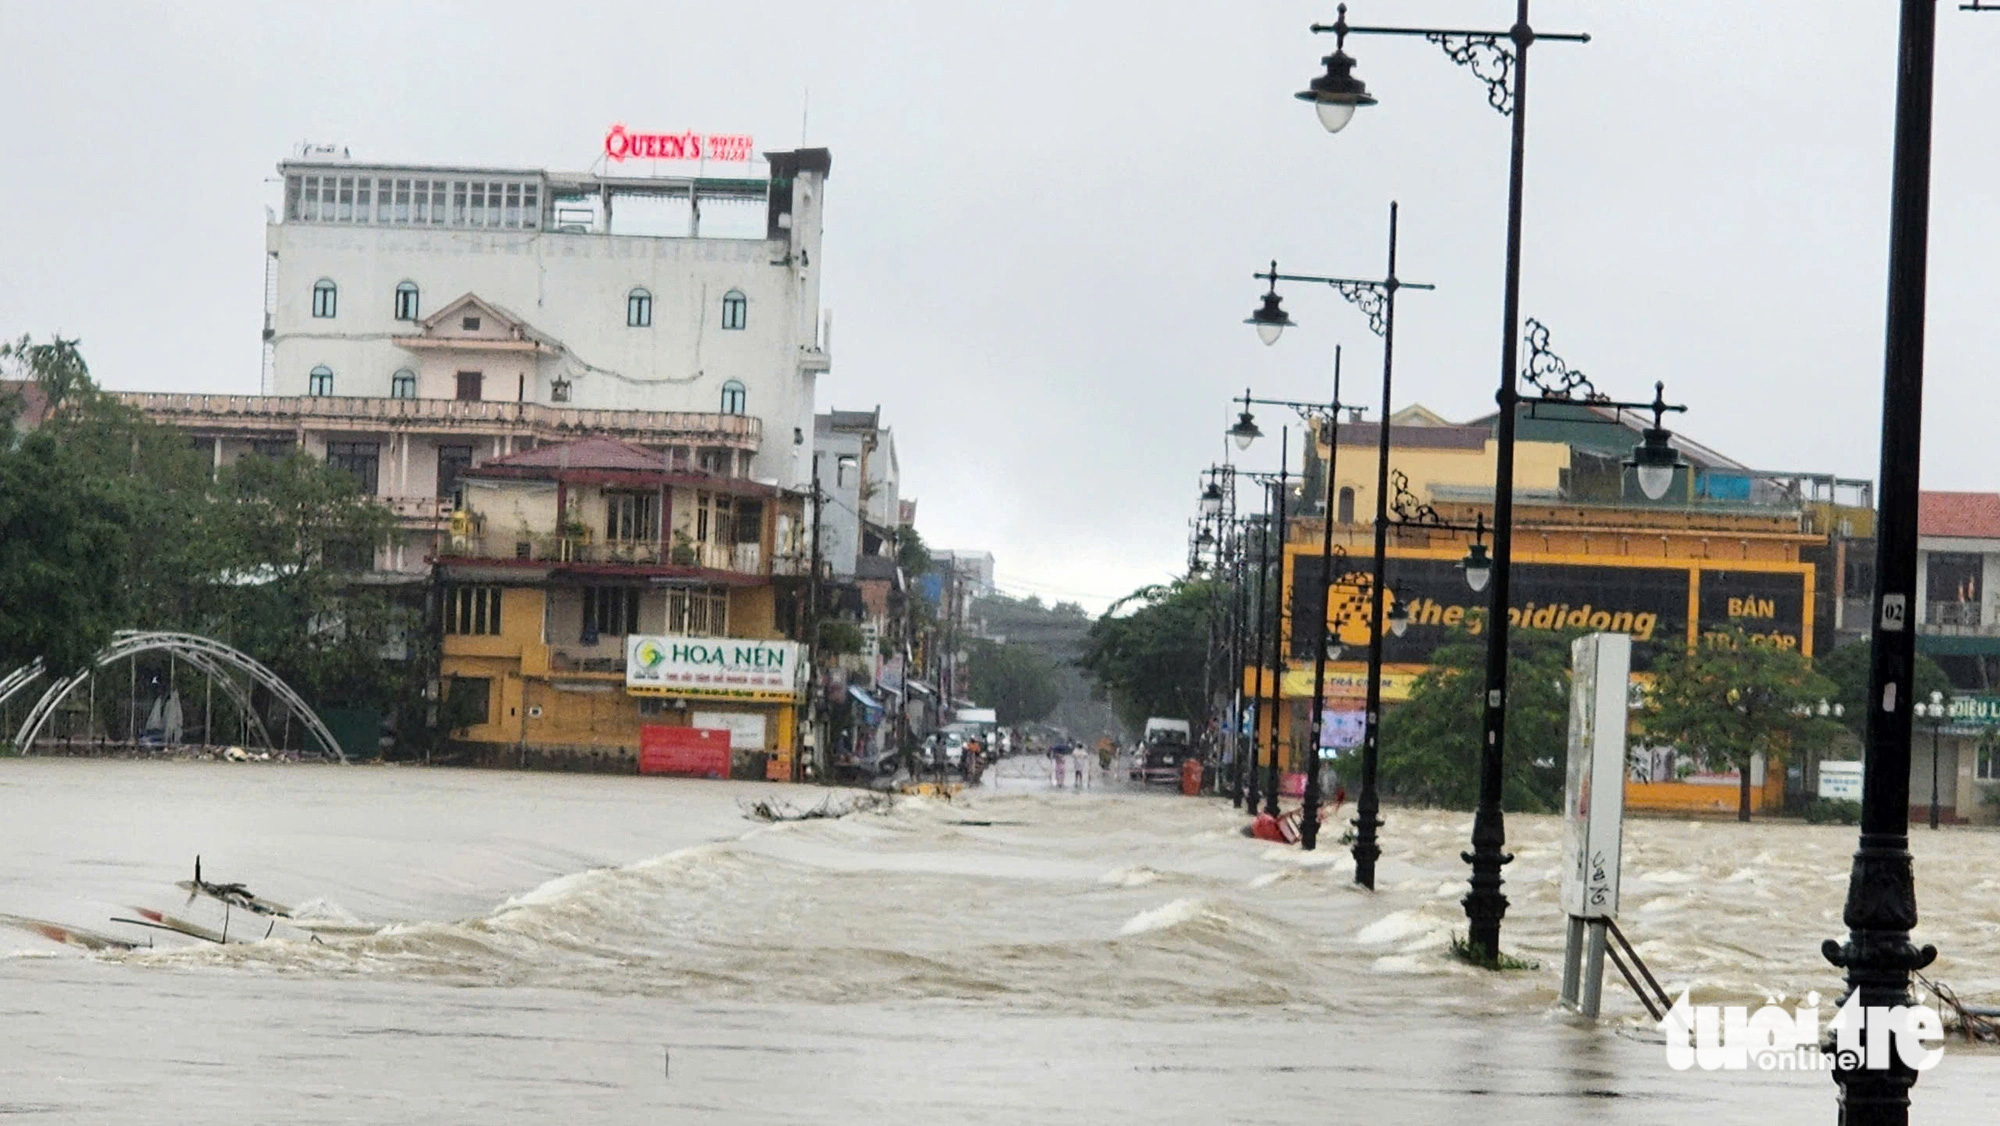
pixel 1399 619
pixel 1478 567
pixel 1211 500
pixel 1245 431
pixel 1336 94
pixel 1270 318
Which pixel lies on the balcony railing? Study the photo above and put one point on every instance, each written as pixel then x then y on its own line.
pixel 283 412
pixel 427 509
pixel 1959 615
pixel 742 558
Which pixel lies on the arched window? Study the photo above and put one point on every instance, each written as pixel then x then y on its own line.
pixel 406 301
pixel 1347 505
pixel 733 397
pixel 403 385
pixel 324 295
pixel 639 308
pixel 321 381
pixel 735 309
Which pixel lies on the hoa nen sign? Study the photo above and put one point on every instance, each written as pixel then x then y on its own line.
pixel 711 667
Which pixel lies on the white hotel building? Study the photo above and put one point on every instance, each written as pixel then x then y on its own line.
pixel 423 319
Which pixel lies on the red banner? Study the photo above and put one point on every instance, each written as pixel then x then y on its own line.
pixel 699 751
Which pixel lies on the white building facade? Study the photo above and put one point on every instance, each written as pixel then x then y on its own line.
pixel 423 320
pixel 370 266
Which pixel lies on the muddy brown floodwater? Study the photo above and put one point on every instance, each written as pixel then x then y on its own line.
pixel 532 948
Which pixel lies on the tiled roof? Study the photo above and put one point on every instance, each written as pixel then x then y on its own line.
pixel 585 453
pixel 1961 515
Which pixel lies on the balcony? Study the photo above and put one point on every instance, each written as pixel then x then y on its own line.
pixel 1954 618
pixel 284 414
pixel 741 559
pixel 420 510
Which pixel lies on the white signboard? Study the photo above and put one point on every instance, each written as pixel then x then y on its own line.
pixel 1840 780
pixel 728 667
pixel 1594 793
pixel 746 729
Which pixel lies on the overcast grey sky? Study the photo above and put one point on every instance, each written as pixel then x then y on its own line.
pixel 1043 216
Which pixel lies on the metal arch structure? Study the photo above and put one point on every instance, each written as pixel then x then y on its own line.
pixel 19 679
pixel 207 654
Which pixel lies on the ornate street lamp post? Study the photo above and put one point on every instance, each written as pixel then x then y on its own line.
pixel 1504 69
pixel 1377 300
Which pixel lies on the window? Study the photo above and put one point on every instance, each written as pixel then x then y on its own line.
pixel 470 386
pixel 749 521
pixel 320 381
pixel 403 384
pixel 472 611
pixel 469 324
pixel 735 309
pixel 697 611
pixel 406 301
pixel 1346 508
pixel 1989 762
pixel 639 309
pixel 276 449
pixel 559 390
pixel 714 517
pixel 325 298
pixel 609 611
pixel 453 461
pixel 733 397
pixel 360 459
pixel 471 696
pixel 631 517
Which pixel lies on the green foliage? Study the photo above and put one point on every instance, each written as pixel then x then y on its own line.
pixel 1819 811
pixel 840 638
pixel 1731 699
pixel 1017 682
pixel 1847 669
pixel 1463 949
pixel 1151 660
pixel 1430 745
pixel 109 521
pixel 912 556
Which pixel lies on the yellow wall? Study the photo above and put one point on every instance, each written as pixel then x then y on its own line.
pixel 1538 466
pixel 589 709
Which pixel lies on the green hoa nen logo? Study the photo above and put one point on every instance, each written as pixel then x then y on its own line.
pixel 650 655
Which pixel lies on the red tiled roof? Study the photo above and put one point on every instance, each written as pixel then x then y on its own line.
pixel 584 453
pixel 1961 515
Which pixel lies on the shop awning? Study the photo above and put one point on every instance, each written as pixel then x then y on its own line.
pixel 864 699
pixel 922 689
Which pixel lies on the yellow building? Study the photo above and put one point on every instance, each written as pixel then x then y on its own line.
pixel 1728 548
pixel 563 563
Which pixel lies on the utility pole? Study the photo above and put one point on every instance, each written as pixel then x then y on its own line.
pixel 812 642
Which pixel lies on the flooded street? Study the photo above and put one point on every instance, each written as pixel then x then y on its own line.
pixel 541 947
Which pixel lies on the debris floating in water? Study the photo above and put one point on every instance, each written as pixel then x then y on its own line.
pixel 771 809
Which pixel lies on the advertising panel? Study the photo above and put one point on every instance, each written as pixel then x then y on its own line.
pixel 696 751
pixel 1647 603
pixel 722 667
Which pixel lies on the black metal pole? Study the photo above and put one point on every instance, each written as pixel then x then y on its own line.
pixel 1934 775
pixel 1485 904
pixel 1277 626
pixel 1237 657
pixel 1367 804
pixel 1881 890
pixel 1257 693
pixel 1309 814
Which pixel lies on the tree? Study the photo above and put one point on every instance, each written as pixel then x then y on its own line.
pixel 1017 682
pixel 1151 659
pixel 1731 699
pixel 1847 668
pixel 1430 748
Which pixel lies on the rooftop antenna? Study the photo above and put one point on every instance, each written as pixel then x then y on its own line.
pixel 805 116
